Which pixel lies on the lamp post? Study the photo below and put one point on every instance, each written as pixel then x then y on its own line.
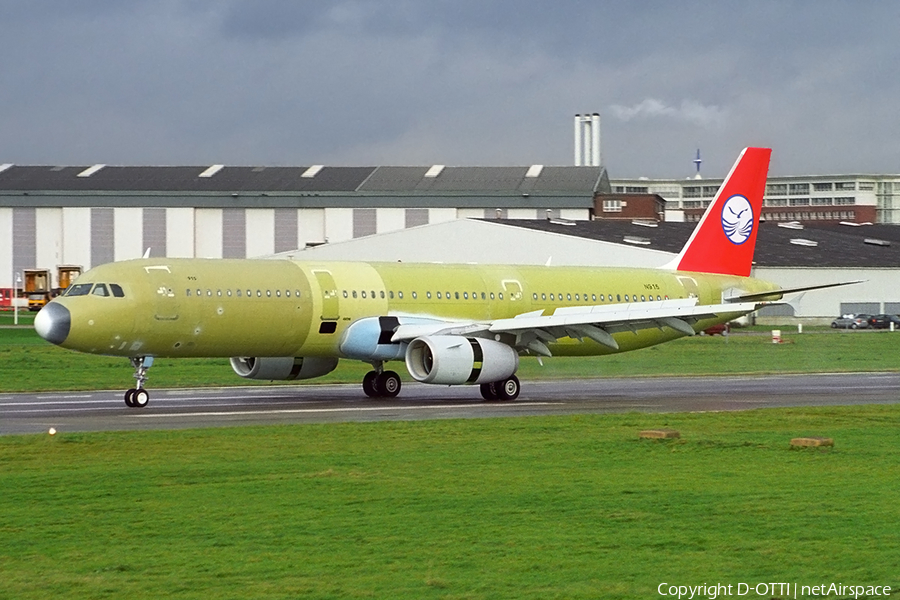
pixel 16 299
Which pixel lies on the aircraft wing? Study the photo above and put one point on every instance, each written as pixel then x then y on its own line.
pixel 534 330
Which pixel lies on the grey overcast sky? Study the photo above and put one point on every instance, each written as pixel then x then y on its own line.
pixel 456 82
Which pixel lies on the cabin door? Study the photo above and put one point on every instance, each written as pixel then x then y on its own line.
pixel 328 289
pixel 165 300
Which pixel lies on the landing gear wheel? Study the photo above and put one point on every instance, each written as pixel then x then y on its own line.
pixel 370 384
pixel 140 398
pixel 129 398
pixel 388 384
pixel 489 391
pixel 509 389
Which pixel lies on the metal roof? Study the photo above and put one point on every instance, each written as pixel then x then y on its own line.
pixel 359 180
pixel 838 246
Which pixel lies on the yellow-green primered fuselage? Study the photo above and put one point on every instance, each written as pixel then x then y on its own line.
pixel 226 308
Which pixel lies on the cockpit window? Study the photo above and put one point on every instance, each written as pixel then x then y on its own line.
pixel 80 289
pixel 100 290
pixel 116 290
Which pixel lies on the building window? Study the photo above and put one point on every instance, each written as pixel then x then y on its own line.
pixel 693 191
pixel 612 206
pixel 799 188
pixel 823 187
pixel 776 189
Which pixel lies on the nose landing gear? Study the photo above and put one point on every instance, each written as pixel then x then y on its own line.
pixel 139 397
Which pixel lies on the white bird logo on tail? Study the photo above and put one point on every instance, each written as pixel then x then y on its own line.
pixel 737 219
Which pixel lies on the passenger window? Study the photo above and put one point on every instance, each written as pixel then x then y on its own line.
pixel 81 289
pixel 100 290
pixel 500 295
pixel 228 292
pixel 552 297
pixel 391 294
pixel 364 293
pixel 381 293
pixel 345 294
pixel 569 297
pixel 456 295
pixel 619 298
pixel 354 293
pixel 268 293
pixel 465 295
pixel 482 296
pixel 534 296
pixel 577 297
pixel 543 296
pixel 297 293
pixel 278 293
pixel 372 294
pixel 439 295
pixel 219 293
pixel 199 292
pixel 400 295
pixel 187 292
pixel 414 295
pixel 249 294
pixel 258 293
pixel 116 290
pixel 642 298
pixel 238 292
pixel 428 295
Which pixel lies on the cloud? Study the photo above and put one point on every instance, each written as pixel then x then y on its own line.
pixel 689 111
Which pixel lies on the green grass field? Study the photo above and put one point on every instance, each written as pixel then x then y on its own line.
pixel 561 507
pixel 31 364
pixel 535 507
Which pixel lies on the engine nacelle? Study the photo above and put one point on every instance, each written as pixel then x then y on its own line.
pixel 283 368
pixel 454 360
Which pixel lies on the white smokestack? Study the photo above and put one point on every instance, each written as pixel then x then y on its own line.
pixel 595 140
pixel 587 140
pixel 578 136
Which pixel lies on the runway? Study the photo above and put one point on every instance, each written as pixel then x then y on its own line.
pixel 267 405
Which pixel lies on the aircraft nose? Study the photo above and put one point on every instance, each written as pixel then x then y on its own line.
pixel 53 322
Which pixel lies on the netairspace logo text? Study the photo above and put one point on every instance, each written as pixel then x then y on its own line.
pixel 782 590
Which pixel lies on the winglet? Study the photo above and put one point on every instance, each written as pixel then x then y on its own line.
pixel 724 240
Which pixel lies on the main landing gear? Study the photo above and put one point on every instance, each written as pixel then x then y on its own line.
pixel 139 397
pixel 381 384
pixel 508 389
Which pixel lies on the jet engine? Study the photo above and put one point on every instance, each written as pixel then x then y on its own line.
pixel 288 367
pixel 453 360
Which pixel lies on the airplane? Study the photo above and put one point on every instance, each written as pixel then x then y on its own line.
pixel 450 324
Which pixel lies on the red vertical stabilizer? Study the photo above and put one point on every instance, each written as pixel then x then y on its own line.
pixel 724 240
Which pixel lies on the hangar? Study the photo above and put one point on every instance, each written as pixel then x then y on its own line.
pixel 88 216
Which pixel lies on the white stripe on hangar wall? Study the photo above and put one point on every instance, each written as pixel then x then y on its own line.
pixel 6 259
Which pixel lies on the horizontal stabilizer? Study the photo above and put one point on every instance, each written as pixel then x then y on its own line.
pixel 758 296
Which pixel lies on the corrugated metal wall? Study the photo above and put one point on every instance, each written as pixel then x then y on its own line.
pixel 24 240
pixel 103 243
pixel 234 233
pixel 154 234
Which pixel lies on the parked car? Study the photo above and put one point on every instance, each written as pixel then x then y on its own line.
pixel 884 321
pixel 851 322
pixel 720 329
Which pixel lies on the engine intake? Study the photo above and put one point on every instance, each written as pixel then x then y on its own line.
pixel 454 360
pixel 283 368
